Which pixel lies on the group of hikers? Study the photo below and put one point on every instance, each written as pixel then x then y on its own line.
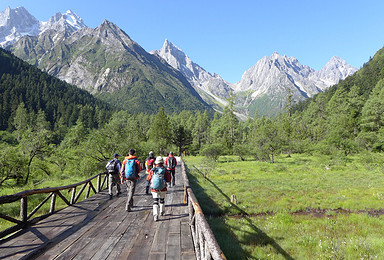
pixel 160 175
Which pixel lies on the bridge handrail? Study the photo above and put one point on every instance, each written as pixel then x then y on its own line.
pixel 25 218
pixel 205 243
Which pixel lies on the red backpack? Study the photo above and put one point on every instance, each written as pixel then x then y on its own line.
pixel 150 163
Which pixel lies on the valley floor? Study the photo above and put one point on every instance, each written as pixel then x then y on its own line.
pixel 301 207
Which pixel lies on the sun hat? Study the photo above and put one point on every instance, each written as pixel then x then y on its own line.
pixel 159 160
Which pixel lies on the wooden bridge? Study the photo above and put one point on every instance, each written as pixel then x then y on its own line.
pixel 99 228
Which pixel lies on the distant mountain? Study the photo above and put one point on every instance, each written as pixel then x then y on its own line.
pixel 18 22
pixel 108 63
pixel 211 87
pixel 335 70
pixel 265 86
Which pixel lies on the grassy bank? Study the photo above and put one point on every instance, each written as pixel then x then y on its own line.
pixel 301 207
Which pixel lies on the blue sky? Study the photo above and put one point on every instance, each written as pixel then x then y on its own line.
pixel 228 37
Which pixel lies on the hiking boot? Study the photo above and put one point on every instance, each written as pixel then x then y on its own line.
pixel 129 209
pixel 155 218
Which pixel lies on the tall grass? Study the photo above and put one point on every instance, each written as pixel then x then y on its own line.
pixel 301 207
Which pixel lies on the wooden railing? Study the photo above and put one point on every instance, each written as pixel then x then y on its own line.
pixel 206 246
pixel 53 193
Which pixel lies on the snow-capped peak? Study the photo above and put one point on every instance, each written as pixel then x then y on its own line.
pixel 18 22
pixel 74 20
pixel 60 20
pixel 15 23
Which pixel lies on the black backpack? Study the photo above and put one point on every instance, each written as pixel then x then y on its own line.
pixel 112 166
pixel 171 162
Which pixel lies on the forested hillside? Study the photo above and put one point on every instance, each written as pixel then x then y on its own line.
pixel 62 103
pixel 349 115
pixel 106 62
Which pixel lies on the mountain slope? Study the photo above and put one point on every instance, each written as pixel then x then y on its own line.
pixel 61 102
pixel 211 87
pixel 108 63
pixel 265 87
pixel 364 80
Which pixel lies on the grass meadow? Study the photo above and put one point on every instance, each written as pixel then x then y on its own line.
pixel 300 207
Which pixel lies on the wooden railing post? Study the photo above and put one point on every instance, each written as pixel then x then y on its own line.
pixel 88 190
pixel 73 195
pixel 24 211
pixel 98 188
pixel 104 179
pixel 53 202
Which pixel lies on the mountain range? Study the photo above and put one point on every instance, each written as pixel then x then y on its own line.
pixel 106 62
pixel 265 86
pixel 109 64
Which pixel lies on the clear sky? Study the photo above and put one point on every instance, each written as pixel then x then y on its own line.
pixel 228 37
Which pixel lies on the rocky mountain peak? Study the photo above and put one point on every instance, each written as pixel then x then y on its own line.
pixel 335 69
pixel 74 20
pixel 211 87
pixel 16 23
pixel 69 19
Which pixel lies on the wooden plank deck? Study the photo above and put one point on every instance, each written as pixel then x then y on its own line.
pixel 99 228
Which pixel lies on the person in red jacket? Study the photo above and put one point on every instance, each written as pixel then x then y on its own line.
pixel 159 176
pixel 129 175
pixel 170 163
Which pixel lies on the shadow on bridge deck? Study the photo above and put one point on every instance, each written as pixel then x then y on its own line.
pixel 99 228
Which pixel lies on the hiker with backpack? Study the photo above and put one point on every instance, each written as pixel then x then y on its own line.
pixel 159 176
pixel 129 175
pixel 171 163
pixel 149 164
pixel 113 168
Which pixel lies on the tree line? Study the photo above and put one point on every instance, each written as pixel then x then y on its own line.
pixel 348 118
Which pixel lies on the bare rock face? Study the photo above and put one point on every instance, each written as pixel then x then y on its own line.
pixel 276 77
pixel 17 23
pixel 211 87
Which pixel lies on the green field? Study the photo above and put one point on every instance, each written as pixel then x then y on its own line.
pixel 301 207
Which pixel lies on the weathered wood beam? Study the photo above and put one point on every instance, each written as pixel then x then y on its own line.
pixel 23 210
pixel 39 206
pixel 63 198
pixel 14 197
pixel 10 219
pixel 203 233
pixel 80 191
pixel 53 203
pixel 93 188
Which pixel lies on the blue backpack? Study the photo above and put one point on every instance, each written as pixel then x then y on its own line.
pixel 131 169
pixel 158 179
